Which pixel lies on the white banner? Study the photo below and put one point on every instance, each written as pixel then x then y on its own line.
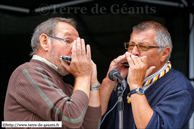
pixel 31 124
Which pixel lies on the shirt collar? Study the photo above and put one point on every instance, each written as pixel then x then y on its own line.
pixel 35 57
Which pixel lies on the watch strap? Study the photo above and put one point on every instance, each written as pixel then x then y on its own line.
pixel 138 90
pixel 95 87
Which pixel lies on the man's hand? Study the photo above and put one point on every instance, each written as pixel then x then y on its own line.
pixel 138 70
pixel 107 85
pixel 81 59
pixel 94 79
pixel 117 63
pixel 80 66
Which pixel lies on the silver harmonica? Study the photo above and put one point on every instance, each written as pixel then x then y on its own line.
pixel 66 58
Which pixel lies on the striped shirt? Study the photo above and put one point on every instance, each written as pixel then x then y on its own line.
pixel 37 92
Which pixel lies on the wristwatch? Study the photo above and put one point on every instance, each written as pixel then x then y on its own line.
pixel 96 87
pixel 138 90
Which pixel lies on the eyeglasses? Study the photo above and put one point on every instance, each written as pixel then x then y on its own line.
pixel 65 40
pixel 140 47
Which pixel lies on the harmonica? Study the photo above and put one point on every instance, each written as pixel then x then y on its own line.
pixel 126 64
pixel 66 58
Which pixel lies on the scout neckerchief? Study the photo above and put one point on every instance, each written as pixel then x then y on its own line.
pixel 153 78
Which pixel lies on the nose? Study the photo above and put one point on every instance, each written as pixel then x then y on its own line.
pixel 135 51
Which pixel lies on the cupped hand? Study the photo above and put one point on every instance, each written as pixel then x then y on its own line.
pixel 117 63
pixel 81 64
pixel 138 70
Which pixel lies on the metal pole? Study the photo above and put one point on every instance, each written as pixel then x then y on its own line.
pixel 191 62
pixel 120 107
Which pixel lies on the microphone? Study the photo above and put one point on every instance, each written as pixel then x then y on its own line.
pixel 114 75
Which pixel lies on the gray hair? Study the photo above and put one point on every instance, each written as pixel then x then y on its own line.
pixel 162 37
pixel 47 27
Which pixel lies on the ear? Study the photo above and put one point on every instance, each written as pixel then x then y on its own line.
pixel 44 42
pixel 165 54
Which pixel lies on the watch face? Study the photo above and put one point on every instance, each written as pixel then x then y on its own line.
pixel 141 90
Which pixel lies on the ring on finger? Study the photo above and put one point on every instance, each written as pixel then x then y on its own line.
pixel 115 61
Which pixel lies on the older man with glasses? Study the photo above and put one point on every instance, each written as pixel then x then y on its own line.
pixel 36 90
pixel 157 96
